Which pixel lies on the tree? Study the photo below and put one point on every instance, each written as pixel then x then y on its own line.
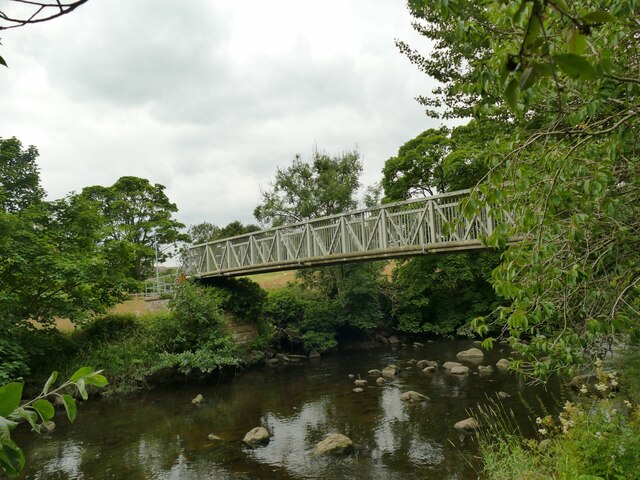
pixel 305 190
pixel 340 297
pixel 139 222
pixel 52 264
pixel 440 160
pixel 565 75
pixel 19 176
pixel 441 293
pixel 207 232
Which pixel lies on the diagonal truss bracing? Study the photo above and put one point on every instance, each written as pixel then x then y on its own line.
pixel 427 225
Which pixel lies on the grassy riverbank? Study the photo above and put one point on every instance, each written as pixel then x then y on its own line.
pixel 595 437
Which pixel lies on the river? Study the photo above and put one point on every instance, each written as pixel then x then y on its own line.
pixel 159 434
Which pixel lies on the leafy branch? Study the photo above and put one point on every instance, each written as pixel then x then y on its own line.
pixel 39 411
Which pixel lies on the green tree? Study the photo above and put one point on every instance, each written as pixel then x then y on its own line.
pixel 565 75
pixel 139 218
pixel 19 176
pixel 52 264
pixel 339 297
pixel 441 293
pixel 207 232
pixel 323 186
pixel 441 160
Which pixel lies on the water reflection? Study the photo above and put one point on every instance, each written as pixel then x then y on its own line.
pixel 160 435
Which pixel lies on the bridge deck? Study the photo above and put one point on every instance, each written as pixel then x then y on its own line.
pixel 414 227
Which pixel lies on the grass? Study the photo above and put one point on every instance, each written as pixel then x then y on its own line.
pixel 274 280
pixel 593 438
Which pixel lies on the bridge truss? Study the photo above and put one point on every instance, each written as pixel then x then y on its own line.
pixel 413 227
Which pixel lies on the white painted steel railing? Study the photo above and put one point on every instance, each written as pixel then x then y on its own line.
pixel 393 230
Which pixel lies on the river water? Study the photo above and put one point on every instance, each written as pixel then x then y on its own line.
pixel 160 435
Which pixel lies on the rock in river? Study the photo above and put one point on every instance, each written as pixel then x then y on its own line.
pixel 485 370
pixel 413 397
pixel 257 436
pixel 358 390
pixel 450 365
pixel 334 444
pixel 503 364
pixel 380 381
pixel 198 399
pixel 374 372
pixel 360 383
pixel 389 372
pixel 461 370
pixel 471 353
pixel 467 425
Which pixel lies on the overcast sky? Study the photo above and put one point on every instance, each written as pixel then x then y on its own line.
pixel 209 97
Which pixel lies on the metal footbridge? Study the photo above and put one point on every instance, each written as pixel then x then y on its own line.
pixel 414 227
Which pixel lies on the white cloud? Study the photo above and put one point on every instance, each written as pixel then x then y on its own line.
pixel 209 97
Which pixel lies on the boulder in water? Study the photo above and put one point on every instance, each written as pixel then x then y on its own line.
pixel 467 425
pixel 256 436
pixel 360 383
pixel 450 365
pixel 471 353
pixel 198 400
pixel 461 370
pixel 413 397
pixel 358 390
pixel 334 444
pixel 374 372
pixel 380 381
pixel 503 364
pixel 485 370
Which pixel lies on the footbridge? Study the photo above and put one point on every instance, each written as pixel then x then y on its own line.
pixel 414 227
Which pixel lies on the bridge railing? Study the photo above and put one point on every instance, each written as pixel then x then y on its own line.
pixel 411 227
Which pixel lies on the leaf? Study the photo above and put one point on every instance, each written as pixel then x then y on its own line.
pixel 10 396
pixel 576 41
pixel 44 408
pixel 533 31
pixel 11 457
pixel 97 380
pixel 51 381
pixel 70 407
pixel 576 66
pixel 511 94
pixel 30 416
pixel 599 16
pixel 6 426
pixel 81 372
pixel 82 389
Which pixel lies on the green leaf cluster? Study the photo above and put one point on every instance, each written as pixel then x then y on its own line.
pixel 38 411
pixel 564 180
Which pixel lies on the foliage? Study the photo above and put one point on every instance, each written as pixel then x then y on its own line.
pixel 19 176
pixel 241 297
pixel 139 223
pixel 440 293
pixel 441 160
pixel 207 232
pixel 305 190
pixel 564 75
pixel 593 438
pixel 332 298
pixel 38 411
pixel 52 263
pixel 301 317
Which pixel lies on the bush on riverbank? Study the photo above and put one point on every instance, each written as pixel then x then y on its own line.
pixel 592 438
pixel 191 337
